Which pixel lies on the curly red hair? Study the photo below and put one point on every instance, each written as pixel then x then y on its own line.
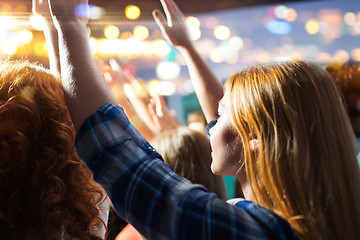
pixel 46 191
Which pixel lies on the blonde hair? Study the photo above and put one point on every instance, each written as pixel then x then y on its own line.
pixel 305 167
pixel 46 191
pixel 189 153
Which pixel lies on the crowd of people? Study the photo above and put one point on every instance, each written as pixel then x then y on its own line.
pixel 72 151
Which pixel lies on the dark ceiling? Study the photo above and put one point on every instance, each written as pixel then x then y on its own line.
pixel 187 6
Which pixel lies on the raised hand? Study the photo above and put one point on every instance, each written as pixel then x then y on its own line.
pixel 41 7
pixel 173 26
pixel 162 117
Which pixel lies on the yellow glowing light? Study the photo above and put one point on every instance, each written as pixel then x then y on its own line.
pixel 192 22
pixel 291 15
pixel 222 32
pixel 9 48
pixel 160 48
pixel 165 88
pixel 38 22
pixel 126 35
pixel 141 32
pixel 21 8
pixel 132 12
pixel 312 27
pixel 24 37
pixel 6 8
pixel 40 49
pixel 111 32
pixel 89 30
pixel 350 18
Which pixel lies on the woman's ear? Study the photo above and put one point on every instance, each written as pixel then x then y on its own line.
pixel 254 144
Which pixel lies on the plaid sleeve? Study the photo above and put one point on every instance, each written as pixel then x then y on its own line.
pixel 148 194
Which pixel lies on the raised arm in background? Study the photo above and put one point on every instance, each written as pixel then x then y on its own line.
pixel 84 87
pixel 207 87
pixel 41 8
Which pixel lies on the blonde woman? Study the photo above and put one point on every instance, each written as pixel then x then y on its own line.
pixel 284 121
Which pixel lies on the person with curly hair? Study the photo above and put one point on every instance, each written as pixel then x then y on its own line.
pixel 46 191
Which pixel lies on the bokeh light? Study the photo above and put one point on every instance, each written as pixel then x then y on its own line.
pixel 164 88
pixel 168 70
pixel 291 15
pixel 222 32
pixel 111 32
pixel 211 22
pixel 192 22
pixel 96 12
pixel 278 27
pixel 355 54
pixel 350 18
pixel 342 55
pixel 141 32
pixel 194 33
pixel 281 12
pixel 160 48
pixel 312 27
pixel 24 37
pixel 38 22
pixel 132 12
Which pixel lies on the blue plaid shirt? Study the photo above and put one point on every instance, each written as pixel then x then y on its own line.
pixel 160 204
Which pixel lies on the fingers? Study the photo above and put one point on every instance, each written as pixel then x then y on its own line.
pixel 160 20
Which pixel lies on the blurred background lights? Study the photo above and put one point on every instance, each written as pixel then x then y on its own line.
pixel 236 43
pixel 132 12
pixel 141 32
pixel 355 54
pixel 160 48
pixel 291 15
pixel 222 32
pixel 82 10
pixel 350 18
pixel 96 12
pixel 312 27
pixel 192 22
pixel 6 8
pixel 194 33
pixel 111 32
pixel 37 22
pixel 21 9
pixel 211 22
pixel 278 27
pixel 164 88
pixel 168 70
pixel 9 47
pixel 281 12
pixel 342 55
pixel 24 37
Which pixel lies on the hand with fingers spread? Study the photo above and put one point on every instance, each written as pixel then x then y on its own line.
pixel 163 118
pixel 207 87
pixel 173 26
